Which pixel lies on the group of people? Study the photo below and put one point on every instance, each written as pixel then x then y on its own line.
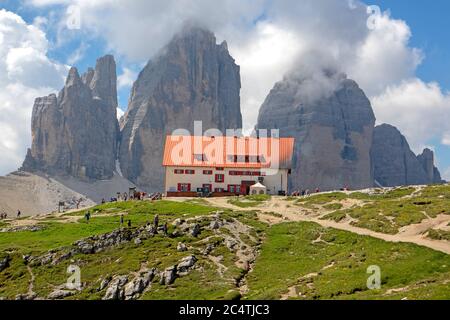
pixel 306 193
pixel 303 193
pixel 4 215
pixel 125 197
pixel 164 227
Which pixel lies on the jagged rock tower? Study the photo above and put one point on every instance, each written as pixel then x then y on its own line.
pixel 193 78
pixel 332 130
pixel 75 133
pixel 396 165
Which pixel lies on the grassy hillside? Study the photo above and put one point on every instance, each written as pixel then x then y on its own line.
pixel 237 255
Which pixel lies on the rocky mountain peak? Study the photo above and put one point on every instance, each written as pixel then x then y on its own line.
pixel 332 121
pixel 104 80
pixel 76 133
pixel 193 78
pixel 395 164
pixel 73 78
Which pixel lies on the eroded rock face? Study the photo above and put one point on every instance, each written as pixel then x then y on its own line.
pixel 396 165
pixel 427 161
pixel 192 79
pixel 332 128
pixel 75 133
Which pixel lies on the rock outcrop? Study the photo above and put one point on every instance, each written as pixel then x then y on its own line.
pixel 332 122
pixel 396 165
pixel 75 133
pixel 192 79
pixel 427 161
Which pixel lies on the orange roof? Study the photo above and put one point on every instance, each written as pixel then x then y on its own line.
pixel 228 152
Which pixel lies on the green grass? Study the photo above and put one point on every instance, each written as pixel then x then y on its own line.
pixel 347 256
pixel 249 201
pixel 56 234
pixel 333 206
pixel 438 234
pixel 388 212
pixel 287 252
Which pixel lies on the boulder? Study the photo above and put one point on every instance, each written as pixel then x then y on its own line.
pixel 115 288
pixel 168 276
pixel 60 294
pixel 195 231
pixel 181 247
pixel 4 263
pixel 186 264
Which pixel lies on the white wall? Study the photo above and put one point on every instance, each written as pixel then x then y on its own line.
pixel 274 183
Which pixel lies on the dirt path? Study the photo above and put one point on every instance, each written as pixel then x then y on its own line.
pixel 411 234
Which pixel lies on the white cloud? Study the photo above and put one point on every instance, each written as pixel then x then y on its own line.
pixel 120 113
pixel 126 79
pixel 78 54
pixel 25 73
pixel 420 110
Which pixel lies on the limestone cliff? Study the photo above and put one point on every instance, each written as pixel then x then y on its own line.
pixel 192 78
pixel 332 122
pixel 75 133
pixel 395 164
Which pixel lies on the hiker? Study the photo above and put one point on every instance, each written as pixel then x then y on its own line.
pixel 88 216
pixel 103 201
pixel 121 220
pixel 165 228
pixel 129 223
pixel 156 221
pixel 18 214
pixel 125 196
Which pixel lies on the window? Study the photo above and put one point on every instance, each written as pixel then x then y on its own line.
pixel 189 172
pixel 218 190
pixel 220 178
pixel 207 172
pixel 256 173
pixel 220 169
pixel 234 188
pixel 184 187
pixel 178 171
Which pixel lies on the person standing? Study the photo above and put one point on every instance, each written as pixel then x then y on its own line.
pixel 156 221
pixel 129 223
pixel 87 216
pixel 121 220
pixel 18 214
pixel 165 228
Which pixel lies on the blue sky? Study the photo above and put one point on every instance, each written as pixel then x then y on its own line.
pixel 427 21
pixel 430 25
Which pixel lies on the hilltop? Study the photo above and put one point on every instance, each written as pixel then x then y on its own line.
pixel 232 248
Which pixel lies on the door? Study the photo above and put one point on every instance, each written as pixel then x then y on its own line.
pixel 245 187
